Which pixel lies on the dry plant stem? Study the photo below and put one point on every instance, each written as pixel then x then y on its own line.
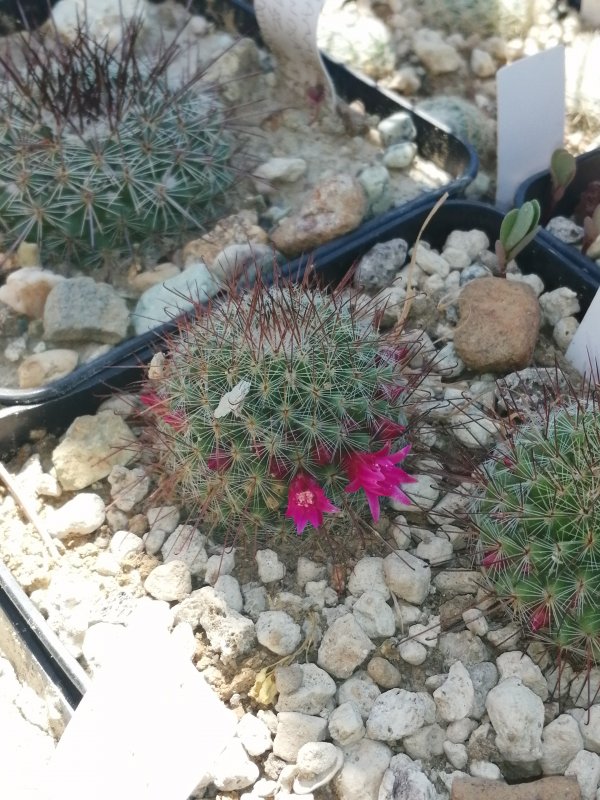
pixel 30 513
pixel 399 326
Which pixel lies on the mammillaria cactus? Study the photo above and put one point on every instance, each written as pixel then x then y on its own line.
pixel 278 408
pixel 98 152
pixel 538 522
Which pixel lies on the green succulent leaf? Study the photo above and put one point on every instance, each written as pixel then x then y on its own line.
pixel 562 168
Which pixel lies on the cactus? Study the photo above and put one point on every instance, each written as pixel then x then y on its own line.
pixel 507 18
pixel 99 154
pixel 277 409
pixel 538 523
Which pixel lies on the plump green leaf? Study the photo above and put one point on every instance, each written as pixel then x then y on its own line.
pixel 562 168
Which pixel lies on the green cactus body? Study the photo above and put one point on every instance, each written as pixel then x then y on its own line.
pixel 89 179
pixel 507 18
pixel 274 386
pixel 538 520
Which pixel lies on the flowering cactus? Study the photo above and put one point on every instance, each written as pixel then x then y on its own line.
pixel 277 409
pixel 538 523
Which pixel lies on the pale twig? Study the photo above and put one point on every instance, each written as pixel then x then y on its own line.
pixel 399 326
pixel 29 512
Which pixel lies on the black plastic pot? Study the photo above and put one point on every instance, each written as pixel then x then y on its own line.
pixel 539 187
pixel 55 415
pixel 434 144
pixel 331 263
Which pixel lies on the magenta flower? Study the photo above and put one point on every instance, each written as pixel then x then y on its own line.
pixel 377 474
pixel 386 429
pixel 175 419
pixel 307 502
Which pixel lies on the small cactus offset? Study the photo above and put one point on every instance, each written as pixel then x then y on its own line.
pixel 99 154
pixel 278 409
pixel 538 523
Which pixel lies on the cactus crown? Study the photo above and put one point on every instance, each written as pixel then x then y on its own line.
pixel 99 154
pixel 539 529
pixel 268 407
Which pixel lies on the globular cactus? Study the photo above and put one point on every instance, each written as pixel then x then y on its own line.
pixel 277 408
pixel 506 18
pixel 98 153
pixel 538 523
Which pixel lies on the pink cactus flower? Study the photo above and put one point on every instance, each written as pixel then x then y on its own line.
pixel 377 474
pixel 540 618
pixel 386 429
pixel 175 419
pixel 307 502
pixel 493 560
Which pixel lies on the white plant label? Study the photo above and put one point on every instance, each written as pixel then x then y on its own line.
pixel 148 728
pixel 590 11
pixel 289 28
pixel 233 400
pixel 584 351
pixel 531 118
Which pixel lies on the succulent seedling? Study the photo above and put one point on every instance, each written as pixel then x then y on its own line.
pixel 518 228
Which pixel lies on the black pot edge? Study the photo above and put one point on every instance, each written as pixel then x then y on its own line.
pixel 55 416
pixel 39 658
pixel 537 187
pixel 435 143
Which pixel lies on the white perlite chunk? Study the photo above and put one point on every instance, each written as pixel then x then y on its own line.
pixel 412 652
pixel 586 768
pixel 423 494
pixel 517 715
pixel 278 632
pixel 312 693
pixel 295 730
pixel 368 575
pixel 456 753
pixel 407 576
pixel 521 665
pixel 346 725
pixel 399 713
pixel 471 242
pixel 233 769
pixel 486 770
pixel 270 568
pixel 80 516
pixel 219 564
pixel 169 582
pixel 229 587
pixel 374 615
pixel 365 764
pixel 405 780
pixel 454 698
pixel 558 304
pixel 254 735
pixel 128 486
pixel 589 726
pixel 361 690
pixel 561 741
pixel 317 764
pixel 228 632
pixel 344 647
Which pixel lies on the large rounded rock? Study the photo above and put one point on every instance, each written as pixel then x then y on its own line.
pixel 335 206
pixel 407 576
pixel 79 309
pixel 278 632
pixel 517 715
pixel 399 713
pixel 90 448
pixel 499 325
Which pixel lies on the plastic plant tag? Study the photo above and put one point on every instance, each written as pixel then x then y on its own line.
pixel 148 727
pixel 289 28
pixel 590 11
pixel 531 118
pixel 584 351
